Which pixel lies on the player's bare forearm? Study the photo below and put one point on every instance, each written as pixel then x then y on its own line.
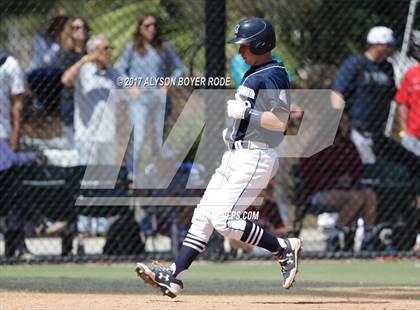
pixel 402 117
pixel 337 100
pixel 273 122
pixel 17 121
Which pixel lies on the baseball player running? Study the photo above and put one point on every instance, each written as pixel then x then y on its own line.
pixel 259 115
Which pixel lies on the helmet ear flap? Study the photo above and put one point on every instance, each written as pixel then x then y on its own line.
pixel 257 47
pixel 260 47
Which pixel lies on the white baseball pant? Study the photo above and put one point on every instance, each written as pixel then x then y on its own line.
pixel 233 187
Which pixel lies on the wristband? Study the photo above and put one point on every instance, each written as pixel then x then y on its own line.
pixel 253 117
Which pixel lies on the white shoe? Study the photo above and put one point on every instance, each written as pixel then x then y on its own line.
pixel 160 277
pixel 288 261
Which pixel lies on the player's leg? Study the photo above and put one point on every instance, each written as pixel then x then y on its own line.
pixel 201 227
pixel 250 172
pixel 168 280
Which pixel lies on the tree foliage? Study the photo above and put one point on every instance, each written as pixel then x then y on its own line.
pixel 308 31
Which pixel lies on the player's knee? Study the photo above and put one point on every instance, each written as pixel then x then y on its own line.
pixel 201 227
pixel 220 225
pixel 229 228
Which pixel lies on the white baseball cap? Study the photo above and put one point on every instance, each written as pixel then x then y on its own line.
pixel 381 35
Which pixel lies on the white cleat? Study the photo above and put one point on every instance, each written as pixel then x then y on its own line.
pixel 288 261
pixel 160 277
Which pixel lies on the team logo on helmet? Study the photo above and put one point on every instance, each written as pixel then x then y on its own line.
pixel 236 29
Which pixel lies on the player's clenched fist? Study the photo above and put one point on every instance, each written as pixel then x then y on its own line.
pixel 236 108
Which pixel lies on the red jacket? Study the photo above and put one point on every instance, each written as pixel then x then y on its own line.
pixel 409 95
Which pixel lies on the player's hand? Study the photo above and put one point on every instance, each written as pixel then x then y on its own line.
pixel 236 108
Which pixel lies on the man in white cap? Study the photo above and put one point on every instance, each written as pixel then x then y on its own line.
pixel 365 85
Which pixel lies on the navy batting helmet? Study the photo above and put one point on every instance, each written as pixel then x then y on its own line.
pixel 258 32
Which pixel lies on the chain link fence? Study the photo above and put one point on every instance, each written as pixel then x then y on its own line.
pixel 81 125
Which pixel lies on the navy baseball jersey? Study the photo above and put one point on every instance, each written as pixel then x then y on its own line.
pixel 368 89
pixel 263 88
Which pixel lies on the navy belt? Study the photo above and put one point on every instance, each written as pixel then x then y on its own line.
pixel 249 145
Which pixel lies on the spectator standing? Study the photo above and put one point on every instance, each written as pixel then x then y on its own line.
pixel 365 84
pixel 148 56
pixel 95 113
pixel 16 212
pixel 11 90
pixel 408 100
pixel 46 47
pixel 43 73
pixel 72 57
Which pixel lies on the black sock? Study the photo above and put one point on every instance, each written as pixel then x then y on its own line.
pixel 255 235
pixel 191 247
pixel 184 259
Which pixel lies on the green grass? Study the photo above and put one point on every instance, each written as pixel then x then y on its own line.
pixel 344 272
pixel 215 278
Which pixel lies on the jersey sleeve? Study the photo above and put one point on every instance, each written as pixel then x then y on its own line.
pixel 16 73
pixel 274 93
pixel 403 92
pixel 345 76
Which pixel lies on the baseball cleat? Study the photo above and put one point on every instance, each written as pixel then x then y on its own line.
pixel 288 261
pixel 160 277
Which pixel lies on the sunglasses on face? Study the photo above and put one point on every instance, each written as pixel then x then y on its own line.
pixel 107 48
pixel 147 26
pixel 78 27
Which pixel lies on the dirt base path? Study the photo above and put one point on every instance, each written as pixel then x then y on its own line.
pixel 348 298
